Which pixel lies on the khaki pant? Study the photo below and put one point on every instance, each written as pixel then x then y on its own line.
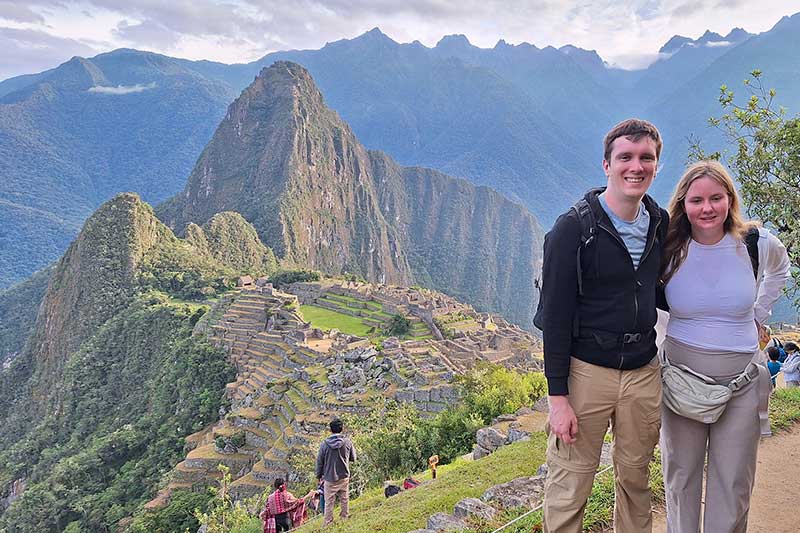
pixel 630 400
pixel 331 490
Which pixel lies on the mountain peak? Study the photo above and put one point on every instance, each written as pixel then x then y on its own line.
pixel 787 22
pixel 375 35
pixel 581 55
pixel 454 41
pixel 709 37
pixel 737 34
pixel 674 44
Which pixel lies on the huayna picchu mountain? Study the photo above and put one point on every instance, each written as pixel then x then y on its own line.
pixel 291 167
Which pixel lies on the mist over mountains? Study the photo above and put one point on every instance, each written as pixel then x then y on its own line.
pixel 525 121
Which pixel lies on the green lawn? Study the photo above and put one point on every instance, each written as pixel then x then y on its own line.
pixel 326 319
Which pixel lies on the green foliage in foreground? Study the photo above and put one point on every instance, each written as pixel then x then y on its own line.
pixel 397 440
pixel 176 517
pixel 784 408
pixel 131 394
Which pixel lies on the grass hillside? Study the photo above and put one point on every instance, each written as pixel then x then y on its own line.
pixel 460 479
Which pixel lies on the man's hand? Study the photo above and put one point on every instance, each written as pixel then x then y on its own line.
pixel 563 422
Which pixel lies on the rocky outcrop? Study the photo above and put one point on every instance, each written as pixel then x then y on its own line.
pixel 445 522
pixel 519 492
pixel 474 508
pixel 487 441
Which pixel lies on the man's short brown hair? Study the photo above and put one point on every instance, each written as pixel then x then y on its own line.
pixel 633 129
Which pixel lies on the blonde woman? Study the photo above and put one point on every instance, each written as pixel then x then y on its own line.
pixel 717 307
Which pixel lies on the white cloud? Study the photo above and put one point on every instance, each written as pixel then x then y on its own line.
pixel 121 89
pixel 718 43
pixel 626 33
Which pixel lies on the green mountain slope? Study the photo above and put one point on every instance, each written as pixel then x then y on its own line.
pixel 94 408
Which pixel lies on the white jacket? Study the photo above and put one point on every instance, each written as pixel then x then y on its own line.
pixel 791 367
pixel 773 271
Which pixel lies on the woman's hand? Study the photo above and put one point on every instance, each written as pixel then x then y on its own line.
pixel 763 335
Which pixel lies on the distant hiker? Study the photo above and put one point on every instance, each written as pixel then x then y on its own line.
pixel 433 460
pixel 283 510
pixel 791 367
pixel 597 312
pixel 410 483
pixel 333 468
pixel 773 365
pixel 777 343
pixel 722 275
pixel 390 490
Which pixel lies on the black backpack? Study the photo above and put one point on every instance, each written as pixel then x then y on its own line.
pixel 589 228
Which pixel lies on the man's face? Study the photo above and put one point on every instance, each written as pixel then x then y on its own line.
pixel 632 167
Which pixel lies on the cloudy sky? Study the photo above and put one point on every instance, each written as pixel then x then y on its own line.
pixel 40 34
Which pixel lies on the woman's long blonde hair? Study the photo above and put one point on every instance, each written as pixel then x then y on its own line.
pixel 680 230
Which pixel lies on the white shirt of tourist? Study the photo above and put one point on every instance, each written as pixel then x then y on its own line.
pixel 711 298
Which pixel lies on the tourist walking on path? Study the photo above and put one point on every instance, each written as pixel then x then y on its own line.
pixel 791 367
pixel 773 365
pixel 598 312
pixel 283 511
pixel 333 468
pixel 717 307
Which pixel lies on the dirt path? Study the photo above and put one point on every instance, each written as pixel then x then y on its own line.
pixel 773 507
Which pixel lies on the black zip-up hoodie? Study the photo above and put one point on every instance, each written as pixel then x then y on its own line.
pixel 618 301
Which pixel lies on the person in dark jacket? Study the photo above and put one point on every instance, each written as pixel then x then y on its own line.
pixel 599 337
pixel 333 469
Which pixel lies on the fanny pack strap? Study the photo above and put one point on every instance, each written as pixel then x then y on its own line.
pixel 698 375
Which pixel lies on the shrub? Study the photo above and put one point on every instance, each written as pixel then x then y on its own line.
pixel 398 326
pixel 287 277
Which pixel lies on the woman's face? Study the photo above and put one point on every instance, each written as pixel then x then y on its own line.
pixel 707 203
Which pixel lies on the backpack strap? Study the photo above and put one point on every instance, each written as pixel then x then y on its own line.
pixel 588 227
pixel 751 242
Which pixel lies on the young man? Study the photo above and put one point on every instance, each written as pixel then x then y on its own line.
pixel 599 339
pixel 333 468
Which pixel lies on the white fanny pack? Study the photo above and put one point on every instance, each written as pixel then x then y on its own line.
pixel 696 396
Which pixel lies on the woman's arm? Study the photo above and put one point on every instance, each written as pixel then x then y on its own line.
pixel 291 501
pixel 775 273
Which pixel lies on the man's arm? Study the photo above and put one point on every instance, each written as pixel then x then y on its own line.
pixel 352 451
pixel 559 301
pixel 320 461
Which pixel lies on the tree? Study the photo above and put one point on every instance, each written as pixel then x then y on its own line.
pixel 398 326
pixel 766 161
